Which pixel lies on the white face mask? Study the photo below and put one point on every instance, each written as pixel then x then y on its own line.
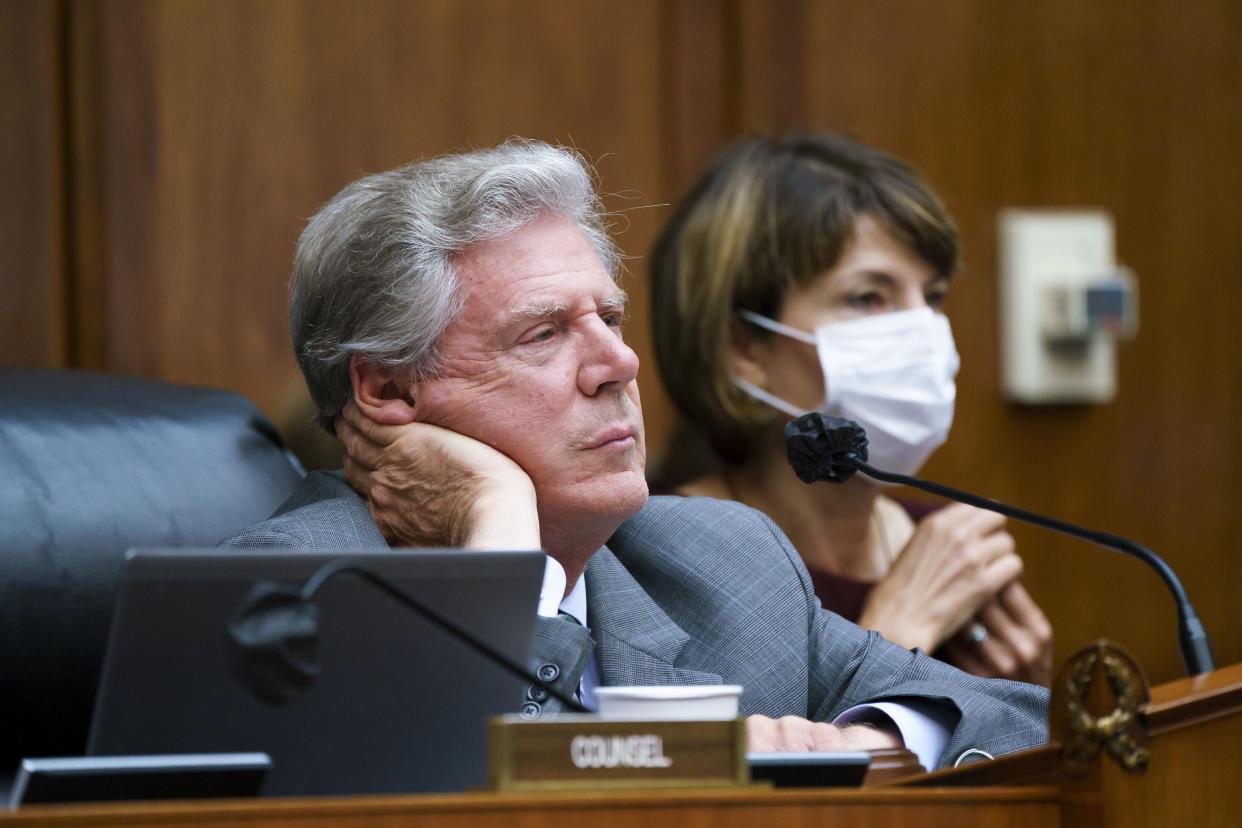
pixel 892 373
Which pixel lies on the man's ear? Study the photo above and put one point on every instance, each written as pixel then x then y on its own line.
pixel 747 355
pixel 380 395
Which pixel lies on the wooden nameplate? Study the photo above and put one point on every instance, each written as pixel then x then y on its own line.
pixel 585 751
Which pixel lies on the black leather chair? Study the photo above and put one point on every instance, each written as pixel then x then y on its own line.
pixel 91 465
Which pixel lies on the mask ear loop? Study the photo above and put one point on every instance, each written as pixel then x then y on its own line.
pixel 769 398
pixel 759 393
pixel 776 327
pixel 939 321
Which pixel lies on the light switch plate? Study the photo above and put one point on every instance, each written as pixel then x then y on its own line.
pixel 1038 249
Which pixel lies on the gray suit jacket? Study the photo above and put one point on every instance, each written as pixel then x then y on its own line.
pixel 702 591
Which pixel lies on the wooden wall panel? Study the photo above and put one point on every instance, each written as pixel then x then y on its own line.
pixel 697 93
pixel 33 327
pixel 1133 107
pixel 221 126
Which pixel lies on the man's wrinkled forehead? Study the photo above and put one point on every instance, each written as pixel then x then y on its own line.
pixel 538 270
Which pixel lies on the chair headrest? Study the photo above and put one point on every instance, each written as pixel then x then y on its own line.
pixel 91 465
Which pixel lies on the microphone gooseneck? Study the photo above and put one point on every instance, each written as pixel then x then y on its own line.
pixel 829 448
pixel 267 631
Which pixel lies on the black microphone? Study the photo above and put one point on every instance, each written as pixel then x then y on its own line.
pixel 820 447
pixel 273 636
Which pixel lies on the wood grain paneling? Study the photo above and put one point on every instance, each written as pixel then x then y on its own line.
pixel 220 127
pixel 1133 107
pixel 33 327
pixel 697 91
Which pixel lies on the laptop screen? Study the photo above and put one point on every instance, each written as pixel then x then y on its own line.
pixel 398 704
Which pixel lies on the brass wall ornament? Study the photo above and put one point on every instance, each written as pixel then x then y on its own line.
pixel 1079 699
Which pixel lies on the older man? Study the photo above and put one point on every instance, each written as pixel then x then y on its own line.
pixel 459 322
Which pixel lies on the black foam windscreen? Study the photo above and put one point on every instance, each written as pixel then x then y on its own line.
pixel 820 447
pixel 272 643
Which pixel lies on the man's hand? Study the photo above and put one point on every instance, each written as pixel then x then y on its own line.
pixel 1018 644
pixel 959 558
pixel 792 734
pixel 428 486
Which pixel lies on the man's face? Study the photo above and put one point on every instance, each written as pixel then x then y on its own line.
pixel 535 367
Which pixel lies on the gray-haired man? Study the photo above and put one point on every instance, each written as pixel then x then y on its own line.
pixel 459 321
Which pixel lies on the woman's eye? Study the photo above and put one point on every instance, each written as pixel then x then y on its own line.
pixel 935 298
pixel 866 301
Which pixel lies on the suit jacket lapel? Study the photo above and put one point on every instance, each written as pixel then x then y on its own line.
pixel 636 643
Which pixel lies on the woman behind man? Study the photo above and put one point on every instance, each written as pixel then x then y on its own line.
pixel 808 274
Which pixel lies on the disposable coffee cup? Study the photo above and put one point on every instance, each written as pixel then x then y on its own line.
pixel 698 702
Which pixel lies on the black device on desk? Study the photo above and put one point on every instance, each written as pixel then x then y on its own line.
pixel 122 778
pixel 836 769
pixel 397 705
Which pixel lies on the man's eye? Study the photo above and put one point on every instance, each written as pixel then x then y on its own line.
pixel 543 334
pixel 935 298
pixel 614 320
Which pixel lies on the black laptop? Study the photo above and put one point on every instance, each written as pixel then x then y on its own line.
pixel 398 704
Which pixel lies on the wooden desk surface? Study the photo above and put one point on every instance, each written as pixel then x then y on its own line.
pixel 1026 807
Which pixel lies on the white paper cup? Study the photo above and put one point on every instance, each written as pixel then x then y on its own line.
pixel 700 702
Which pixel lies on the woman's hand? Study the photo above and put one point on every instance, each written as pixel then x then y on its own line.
pixel 959 558
pixel 428 486
pixel 1013 641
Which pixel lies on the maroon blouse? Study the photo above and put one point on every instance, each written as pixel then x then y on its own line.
pixel 847 596
pixel 842 594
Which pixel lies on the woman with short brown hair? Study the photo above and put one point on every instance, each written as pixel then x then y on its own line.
pixel 808 274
